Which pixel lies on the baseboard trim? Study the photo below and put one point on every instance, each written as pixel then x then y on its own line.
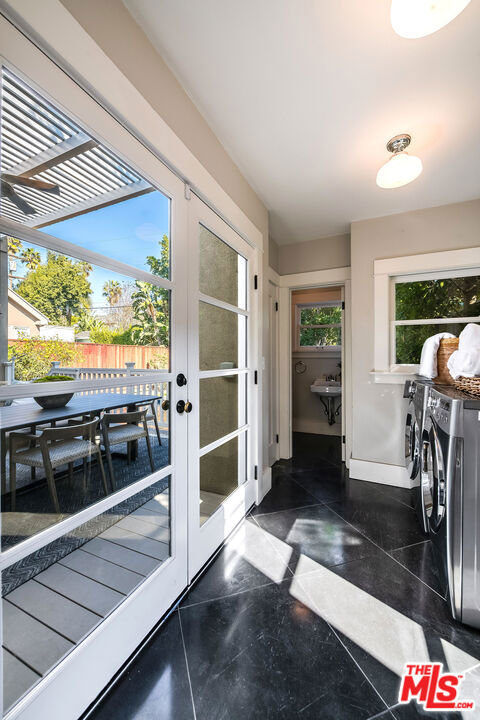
pixel 382 473
pixel 317 428
pixel 264 484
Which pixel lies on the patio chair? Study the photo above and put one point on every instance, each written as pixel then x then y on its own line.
pixel 128 427
pixel 152 415
pixel 52 448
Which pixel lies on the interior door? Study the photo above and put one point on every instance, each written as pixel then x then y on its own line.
pixel 221 383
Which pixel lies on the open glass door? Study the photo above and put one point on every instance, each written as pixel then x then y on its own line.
pixel 221 382
pixel 93 464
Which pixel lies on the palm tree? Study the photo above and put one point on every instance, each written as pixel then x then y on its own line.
pixel 31 258
pixel 112 290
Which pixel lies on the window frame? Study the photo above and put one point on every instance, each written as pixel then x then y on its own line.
pixel 435 265
pixel 299 326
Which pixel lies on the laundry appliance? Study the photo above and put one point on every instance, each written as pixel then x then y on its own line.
pixel 417 391
pixel 450 474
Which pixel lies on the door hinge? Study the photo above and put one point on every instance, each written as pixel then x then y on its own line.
pixel 255 282
pixel 255 473
pixel 276 307
pixel 277 439
pixel 188 192
pixel 343 439
pixel 343 304
pixel 255 377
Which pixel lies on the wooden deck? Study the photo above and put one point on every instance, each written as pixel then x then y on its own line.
pixel 47 616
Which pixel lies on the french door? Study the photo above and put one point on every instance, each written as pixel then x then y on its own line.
pixel 221 386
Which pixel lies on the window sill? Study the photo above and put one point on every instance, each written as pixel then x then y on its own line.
pixel 395 376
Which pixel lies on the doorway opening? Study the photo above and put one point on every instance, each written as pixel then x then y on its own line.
pixel 317 333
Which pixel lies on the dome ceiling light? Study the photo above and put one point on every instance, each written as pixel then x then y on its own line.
pixel 417 18
pixel 402 168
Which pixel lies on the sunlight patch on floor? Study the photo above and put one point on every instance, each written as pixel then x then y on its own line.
pixel 264 551
pixel 387 635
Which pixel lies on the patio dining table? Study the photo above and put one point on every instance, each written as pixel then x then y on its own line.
pixel 30 415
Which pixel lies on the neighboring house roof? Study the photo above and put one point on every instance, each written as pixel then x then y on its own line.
pixel 38 317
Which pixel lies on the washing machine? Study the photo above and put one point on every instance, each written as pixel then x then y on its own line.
pixel 450 474
pixel 417 391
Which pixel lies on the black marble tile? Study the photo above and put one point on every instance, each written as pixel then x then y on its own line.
pixel 318 533
pixel 396 493
pixel 155 686
pixel 327 484
pixel 285 494
pixel 310 449
pixel 420 561
pixel 383 520
pixel 263 654
pixel 386 617
pixel 413 711
pixel 248 560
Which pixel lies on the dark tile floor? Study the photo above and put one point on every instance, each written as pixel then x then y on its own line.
pixel 310 611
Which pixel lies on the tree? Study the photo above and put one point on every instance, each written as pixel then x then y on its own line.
pixel 151 303
pixel 33 356
pixel 31 258
pixel 59 288
pixel 430 299
pixel 112 290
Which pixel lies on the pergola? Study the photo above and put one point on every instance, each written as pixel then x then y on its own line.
pixel 51 170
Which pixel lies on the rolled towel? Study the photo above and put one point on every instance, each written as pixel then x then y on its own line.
pixel 428 359
pixel 465 362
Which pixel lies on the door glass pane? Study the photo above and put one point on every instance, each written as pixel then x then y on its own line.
pixel 37 495
pixel 221 471
pixel 223 272
pixel 222 338
pixel 59 179
pixel 222 406
pixel 57 595
pixel 81 317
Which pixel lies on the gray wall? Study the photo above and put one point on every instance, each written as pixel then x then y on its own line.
pixel 378 410
pixel 273 254
pixel 323 254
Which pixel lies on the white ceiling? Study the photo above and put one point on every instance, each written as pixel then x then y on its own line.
pixel 304 95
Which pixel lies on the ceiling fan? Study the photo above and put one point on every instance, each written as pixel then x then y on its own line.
pixel 8 191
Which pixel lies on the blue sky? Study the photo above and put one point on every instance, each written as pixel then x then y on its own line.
pixel 127 231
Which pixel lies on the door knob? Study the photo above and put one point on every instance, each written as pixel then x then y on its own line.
pixel 166 405
pixel 181 379
pixel 180 406
pixel 188 407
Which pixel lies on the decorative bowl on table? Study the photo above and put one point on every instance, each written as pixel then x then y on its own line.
pixel 50 402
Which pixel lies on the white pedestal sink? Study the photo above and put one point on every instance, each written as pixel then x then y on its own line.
pixel 327 391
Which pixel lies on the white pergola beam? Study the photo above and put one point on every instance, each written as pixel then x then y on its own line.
pixel 62 151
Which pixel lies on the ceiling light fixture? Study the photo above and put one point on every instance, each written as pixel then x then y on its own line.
pixel 417 18
pixel 402 168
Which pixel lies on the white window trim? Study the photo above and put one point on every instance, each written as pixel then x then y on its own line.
pixel 313 349
pixel 446 263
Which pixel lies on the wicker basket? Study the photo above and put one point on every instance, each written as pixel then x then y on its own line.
pixel 469 385
pixel 447 347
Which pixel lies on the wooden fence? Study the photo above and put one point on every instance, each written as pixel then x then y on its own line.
pixel 115 356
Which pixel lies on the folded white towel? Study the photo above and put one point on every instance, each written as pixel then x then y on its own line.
pixel 428 359
pixel 466 360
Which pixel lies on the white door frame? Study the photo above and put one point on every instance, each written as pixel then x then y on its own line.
pixel 299 281
pixel 273 418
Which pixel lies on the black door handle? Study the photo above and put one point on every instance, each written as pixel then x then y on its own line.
pixel 181 379
pixel 180 406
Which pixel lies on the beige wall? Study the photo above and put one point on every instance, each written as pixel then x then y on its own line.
pixel 17 317
pixel 323 254
pixel 112 27
pixel 273 250
pixel 378 410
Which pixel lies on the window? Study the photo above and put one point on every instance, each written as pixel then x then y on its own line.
pixel 428 304
pixel 319 326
